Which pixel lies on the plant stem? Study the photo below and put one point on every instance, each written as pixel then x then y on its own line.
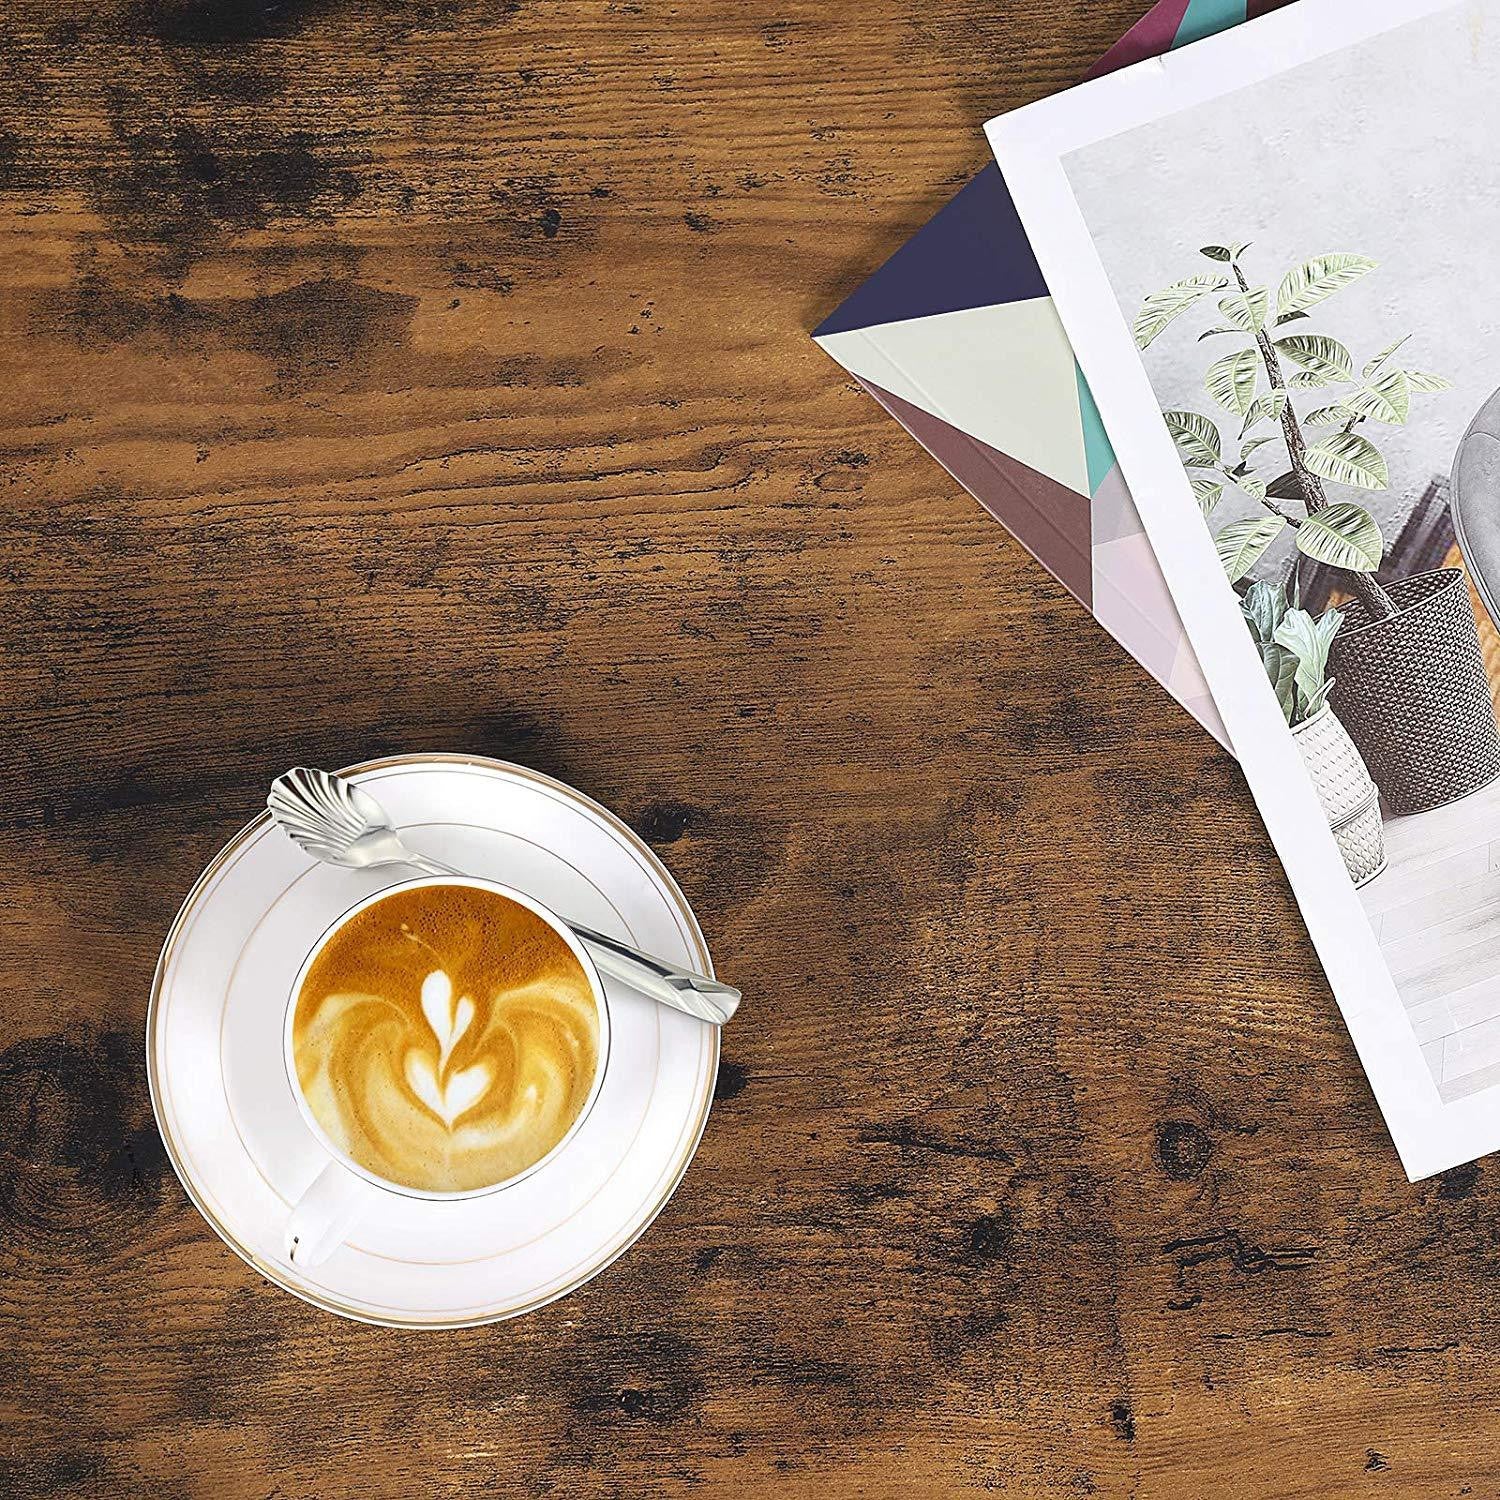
pixel 1314 496
pixel 1293 521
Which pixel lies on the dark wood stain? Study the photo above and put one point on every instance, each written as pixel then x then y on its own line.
pixel 434 374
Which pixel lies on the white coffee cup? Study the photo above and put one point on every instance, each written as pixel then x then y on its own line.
pixel 345 1194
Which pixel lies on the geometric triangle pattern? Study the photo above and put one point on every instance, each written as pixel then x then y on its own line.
pixel 1133 603
pixel 1050 520
pixel 1205 17
pixel 971 254
pixel 1096 445
pixel 1003 373
pixel 956 335
pixel 1153 34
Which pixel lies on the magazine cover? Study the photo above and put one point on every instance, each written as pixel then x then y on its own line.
pixel 1269 251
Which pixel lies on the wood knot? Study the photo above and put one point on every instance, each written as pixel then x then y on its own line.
pixel 1182 1149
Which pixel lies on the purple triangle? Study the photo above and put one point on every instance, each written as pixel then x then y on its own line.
pixel 974 253
pixel 1051 521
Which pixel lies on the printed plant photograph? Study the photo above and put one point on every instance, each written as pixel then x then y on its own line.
pixel 1316 316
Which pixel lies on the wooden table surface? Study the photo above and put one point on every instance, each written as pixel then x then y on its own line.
pixel 424 375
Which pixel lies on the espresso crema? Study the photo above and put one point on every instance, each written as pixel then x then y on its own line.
pixel 446 1038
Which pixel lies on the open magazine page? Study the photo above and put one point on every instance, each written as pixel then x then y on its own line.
pixel 1270 253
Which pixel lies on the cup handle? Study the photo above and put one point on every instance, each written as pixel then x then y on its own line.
pixel 322 1218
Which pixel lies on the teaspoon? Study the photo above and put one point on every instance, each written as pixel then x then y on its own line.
pixel 341 824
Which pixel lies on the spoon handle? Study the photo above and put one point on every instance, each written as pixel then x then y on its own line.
pixel 708 999
pixel 696 995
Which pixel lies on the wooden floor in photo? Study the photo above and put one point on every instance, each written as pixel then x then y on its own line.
pixel 1435 910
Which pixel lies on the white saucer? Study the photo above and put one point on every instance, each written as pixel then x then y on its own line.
pixel 231 1125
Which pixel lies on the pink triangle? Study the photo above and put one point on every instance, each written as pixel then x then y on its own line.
pixel 1152 35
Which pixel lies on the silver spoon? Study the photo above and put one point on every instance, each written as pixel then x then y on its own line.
pixel 337 822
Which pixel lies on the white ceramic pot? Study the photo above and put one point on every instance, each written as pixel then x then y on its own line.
pixel 1350 801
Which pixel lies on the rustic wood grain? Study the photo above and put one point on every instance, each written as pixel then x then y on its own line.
pixel 411 374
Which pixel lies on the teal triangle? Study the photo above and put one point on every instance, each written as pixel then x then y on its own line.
pixel 1204 17
pixel 1096 449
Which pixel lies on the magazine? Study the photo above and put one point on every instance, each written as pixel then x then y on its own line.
pixel 1269 250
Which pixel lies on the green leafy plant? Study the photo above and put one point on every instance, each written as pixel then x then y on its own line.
pixel 1293 648
pixel 1256 389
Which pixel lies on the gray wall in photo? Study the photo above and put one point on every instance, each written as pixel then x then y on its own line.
pixel 1390 149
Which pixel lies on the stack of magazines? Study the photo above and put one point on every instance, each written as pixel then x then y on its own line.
pixel 1215 339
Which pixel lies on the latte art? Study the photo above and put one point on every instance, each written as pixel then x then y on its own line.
pixel 446 1038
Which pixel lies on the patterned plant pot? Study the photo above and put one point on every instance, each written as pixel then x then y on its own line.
pixel 1413 695
pixel 1349 799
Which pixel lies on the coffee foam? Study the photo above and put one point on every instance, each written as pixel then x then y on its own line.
pixel 446 1038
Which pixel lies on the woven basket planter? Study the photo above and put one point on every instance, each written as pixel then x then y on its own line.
pixel 1348 795
pixel 1412 693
